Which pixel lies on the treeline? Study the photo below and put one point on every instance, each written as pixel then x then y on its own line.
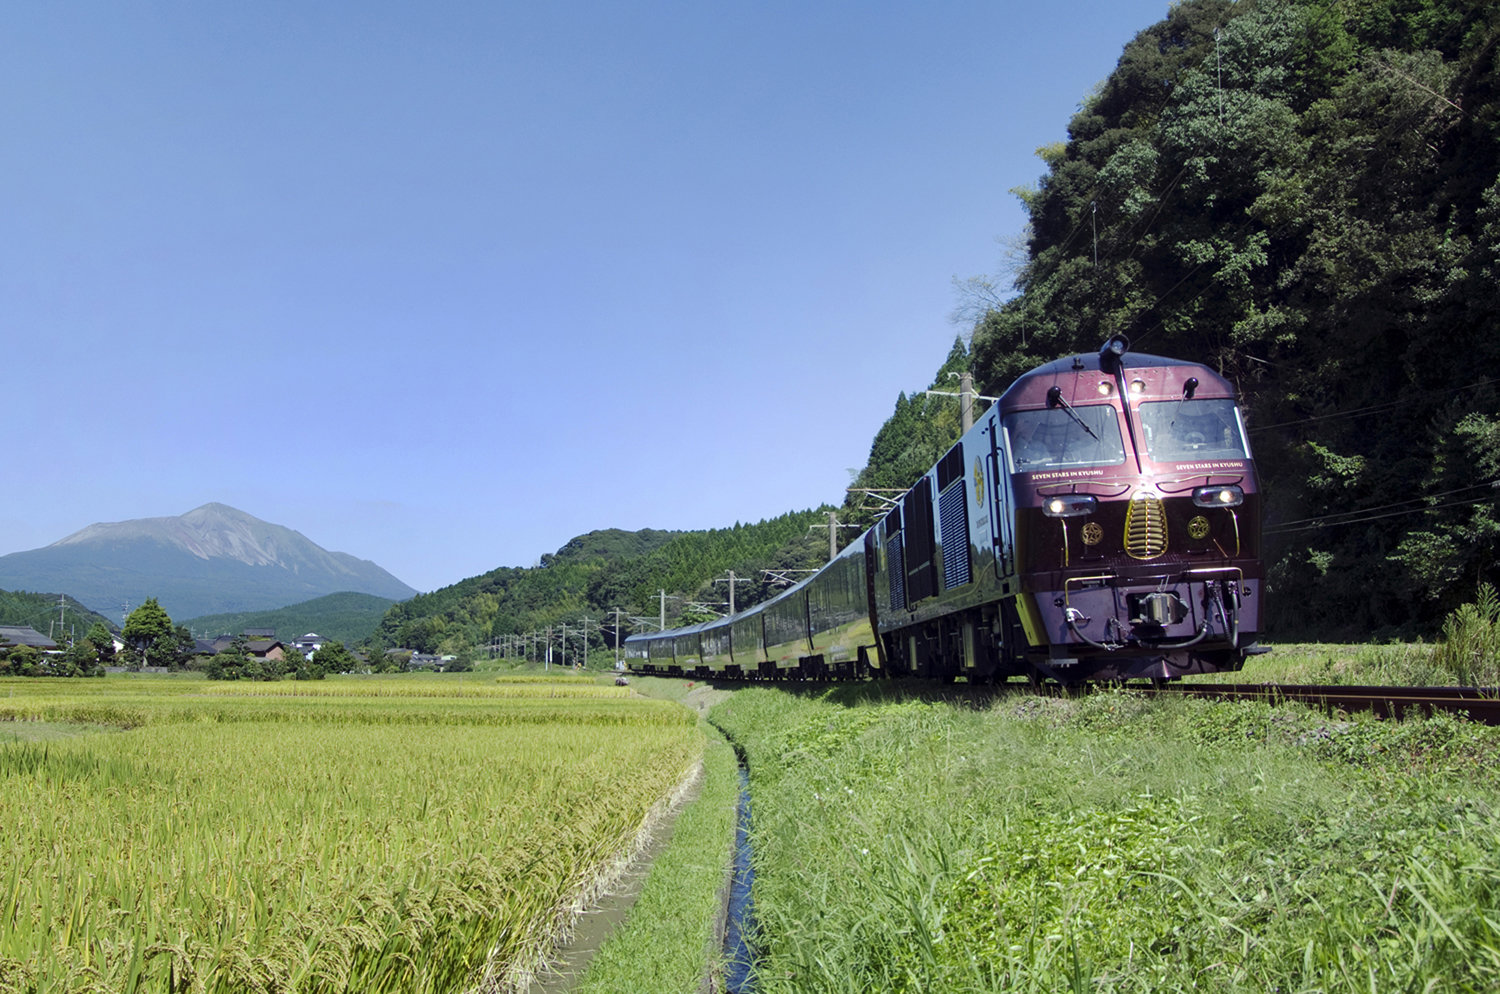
pixel 345 617
pixel 43 613
pixel 595 574
pixel 922 427
pixel 1302 194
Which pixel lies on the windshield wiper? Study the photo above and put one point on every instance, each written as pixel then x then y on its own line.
pixel 1055 399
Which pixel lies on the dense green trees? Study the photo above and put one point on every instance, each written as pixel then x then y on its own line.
pixel 41 611
pixel 334 657
pixel 915 436
pixel 230 663
pixel 598 572
pixel 152 640
pixel 1303 194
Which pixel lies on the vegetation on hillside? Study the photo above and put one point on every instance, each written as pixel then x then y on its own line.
pixel 923 426
pixel 1304 194
pixel 43 612
pixel 597 573
pixel 346 617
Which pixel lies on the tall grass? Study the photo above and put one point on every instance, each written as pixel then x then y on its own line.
pixel 1117 844
pixel 1470 650
pixel 1373 664
pixel 227 845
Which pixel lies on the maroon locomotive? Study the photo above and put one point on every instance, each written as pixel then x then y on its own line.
pixel 1100 522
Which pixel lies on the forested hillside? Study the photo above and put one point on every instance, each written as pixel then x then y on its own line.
pixel 1304 195
pixel 347 617
pixel 920 430
pixel 596 573
pixel 43 613
pixel 1301 193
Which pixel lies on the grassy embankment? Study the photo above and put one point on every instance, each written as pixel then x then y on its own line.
pixel 356 834
pixel 909 843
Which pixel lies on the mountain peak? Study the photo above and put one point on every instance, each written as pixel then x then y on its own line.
pixel 208 532
pixel 149 556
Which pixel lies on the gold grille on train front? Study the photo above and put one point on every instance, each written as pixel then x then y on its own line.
pixel 1145 526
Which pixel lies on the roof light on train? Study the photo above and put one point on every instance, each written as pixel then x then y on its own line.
pixel 1137 385
pixel 1069 506
pixel 1113 350
pixel 1106 388
pixel 1228 496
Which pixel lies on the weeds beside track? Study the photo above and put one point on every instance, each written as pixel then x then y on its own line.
pixel 1112 842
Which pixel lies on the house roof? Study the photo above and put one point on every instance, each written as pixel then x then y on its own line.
pixel 259 633
pixel 13 635
pixel 260 647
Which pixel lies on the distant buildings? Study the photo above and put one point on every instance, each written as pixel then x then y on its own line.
pixel 12 636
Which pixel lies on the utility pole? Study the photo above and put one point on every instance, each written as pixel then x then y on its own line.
pixel 731 579
pixel 583 658
pixel 966 397
pixel 833 533
pixel 966 401
pixel 663 610
pixel 617 638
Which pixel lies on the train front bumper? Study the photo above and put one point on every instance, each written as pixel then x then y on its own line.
pixel 1109 626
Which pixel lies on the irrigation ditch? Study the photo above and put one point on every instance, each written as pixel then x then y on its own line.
pixel 599 913
pixel 602 917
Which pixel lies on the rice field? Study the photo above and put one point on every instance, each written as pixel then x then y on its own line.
pixel 370 835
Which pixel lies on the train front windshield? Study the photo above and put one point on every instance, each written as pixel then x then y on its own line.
pixel 1189 430
pixel 1087 435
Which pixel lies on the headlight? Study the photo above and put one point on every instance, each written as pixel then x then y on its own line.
pixel 1069 506
pixel 1230 496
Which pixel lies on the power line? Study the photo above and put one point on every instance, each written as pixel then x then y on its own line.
pixel 1316 524
pixel 1371 409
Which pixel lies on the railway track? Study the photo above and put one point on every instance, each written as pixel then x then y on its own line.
pixel 1481 704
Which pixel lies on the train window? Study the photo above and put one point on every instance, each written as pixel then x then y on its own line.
pixel 1086 435
pixel 950 467
pixel 1188 430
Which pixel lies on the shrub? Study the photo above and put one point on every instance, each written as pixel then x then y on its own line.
pixel 1470 650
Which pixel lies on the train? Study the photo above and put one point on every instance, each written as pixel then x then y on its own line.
pixel 1099 522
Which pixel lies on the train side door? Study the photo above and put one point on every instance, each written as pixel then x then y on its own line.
pixel 1002 506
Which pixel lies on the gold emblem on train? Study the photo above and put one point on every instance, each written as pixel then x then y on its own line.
pixel 1198 527
pixel 1092 533
pixel 1145 526
pixel 978 482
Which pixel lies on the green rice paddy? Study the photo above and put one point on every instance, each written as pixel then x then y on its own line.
pixel 370 835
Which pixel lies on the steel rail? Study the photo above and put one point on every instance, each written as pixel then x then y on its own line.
pixel 1481 704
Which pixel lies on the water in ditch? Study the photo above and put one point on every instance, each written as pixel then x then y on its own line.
pixel 739 958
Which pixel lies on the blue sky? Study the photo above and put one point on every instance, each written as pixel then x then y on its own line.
pixel 443 285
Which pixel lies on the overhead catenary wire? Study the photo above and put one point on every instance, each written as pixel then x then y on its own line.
pixel 1356 412
pixel 1317 524
pixel 1487 485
